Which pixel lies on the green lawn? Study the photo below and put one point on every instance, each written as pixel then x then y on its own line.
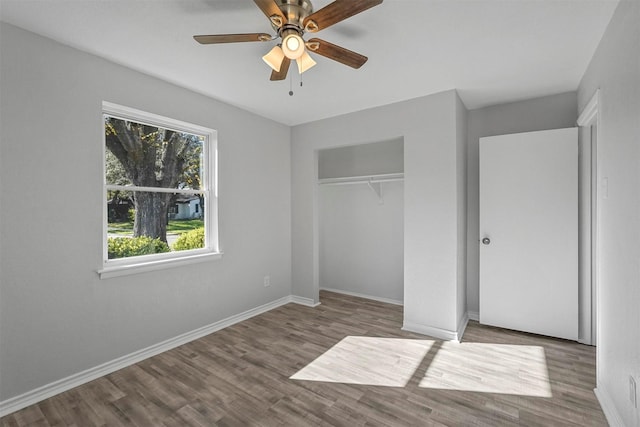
pixel 175 226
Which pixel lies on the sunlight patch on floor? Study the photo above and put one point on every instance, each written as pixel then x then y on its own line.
pixel 389 362
pixel 489 368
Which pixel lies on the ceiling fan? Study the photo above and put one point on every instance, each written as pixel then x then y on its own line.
pixel 291 19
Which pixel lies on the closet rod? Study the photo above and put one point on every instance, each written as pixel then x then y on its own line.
pixel 369 179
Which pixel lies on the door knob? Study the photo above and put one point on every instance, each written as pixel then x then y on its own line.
pixel 486 241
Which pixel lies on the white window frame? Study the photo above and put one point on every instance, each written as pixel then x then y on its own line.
pixel 144 263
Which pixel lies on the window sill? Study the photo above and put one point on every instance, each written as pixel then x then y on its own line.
pixel 146 266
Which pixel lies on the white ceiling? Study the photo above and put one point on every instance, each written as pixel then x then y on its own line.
pixel 492 51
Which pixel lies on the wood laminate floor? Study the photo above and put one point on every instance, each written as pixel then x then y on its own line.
pixel 343 363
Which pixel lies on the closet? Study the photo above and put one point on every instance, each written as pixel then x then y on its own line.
pixel 361 220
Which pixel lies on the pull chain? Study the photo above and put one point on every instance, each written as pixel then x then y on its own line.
pixel 290 84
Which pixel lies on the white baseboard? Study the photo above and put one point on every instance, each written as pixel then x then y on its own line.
pixel 34 396
pixel 432 331
pixel 609 409
pixel 371 297
pixel 473 315
pixel 304 301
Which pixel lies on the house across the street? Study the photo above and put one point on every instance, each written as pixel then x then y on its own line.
pixel 186 207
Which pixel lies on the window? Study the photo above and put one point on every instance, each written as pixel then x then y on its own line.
pixel 156 169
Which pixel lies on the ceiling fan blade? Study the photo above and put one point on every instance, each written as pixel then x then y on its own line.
pixel 337 53
pixel 284 69
pixel 270 9
pixel 233 38
pixel 335 12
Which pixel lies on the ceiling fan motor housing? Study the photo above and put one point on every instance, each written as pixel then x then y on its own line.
pixel 295 11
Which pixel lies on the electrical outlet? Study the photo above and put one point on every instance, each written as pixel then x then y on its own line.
pixel 633 395
pixel 267 281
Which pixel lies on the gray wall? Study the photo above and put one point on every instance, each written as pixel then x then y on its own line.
pixel 57 317
pixel 431 203
pixel 376 158
pixel 361 240
pixel 615 70
pixel 550 112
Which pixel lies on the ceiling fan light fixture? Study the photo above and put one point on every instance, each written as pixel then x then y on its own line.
pixel 293 46
pixel 274 58
pixel 305 62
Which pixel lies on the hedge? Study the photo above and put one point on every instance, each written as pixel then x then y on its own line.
pixel 193 239
pixel 121 247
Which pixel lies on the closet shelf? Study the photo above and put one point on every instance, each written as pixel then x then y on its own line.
pixel 366 179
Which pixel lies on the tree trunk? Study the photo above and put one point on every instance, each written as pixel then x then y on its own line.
pixel 151 157
pixel 151 215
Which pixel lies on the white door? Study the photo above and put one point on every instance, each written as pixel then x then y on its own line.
pixel 529 232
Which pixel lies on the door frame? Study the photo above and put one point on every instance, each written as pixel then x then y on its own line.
pixel 589 118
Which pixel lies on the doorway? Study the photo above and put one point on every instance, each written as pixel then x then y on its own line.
pixel 361 220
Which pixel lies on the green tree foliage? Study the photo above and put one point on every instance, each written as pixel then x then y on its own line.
pixel 118 200
pixel 193 239
pixel 115 173
pixel 149 156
